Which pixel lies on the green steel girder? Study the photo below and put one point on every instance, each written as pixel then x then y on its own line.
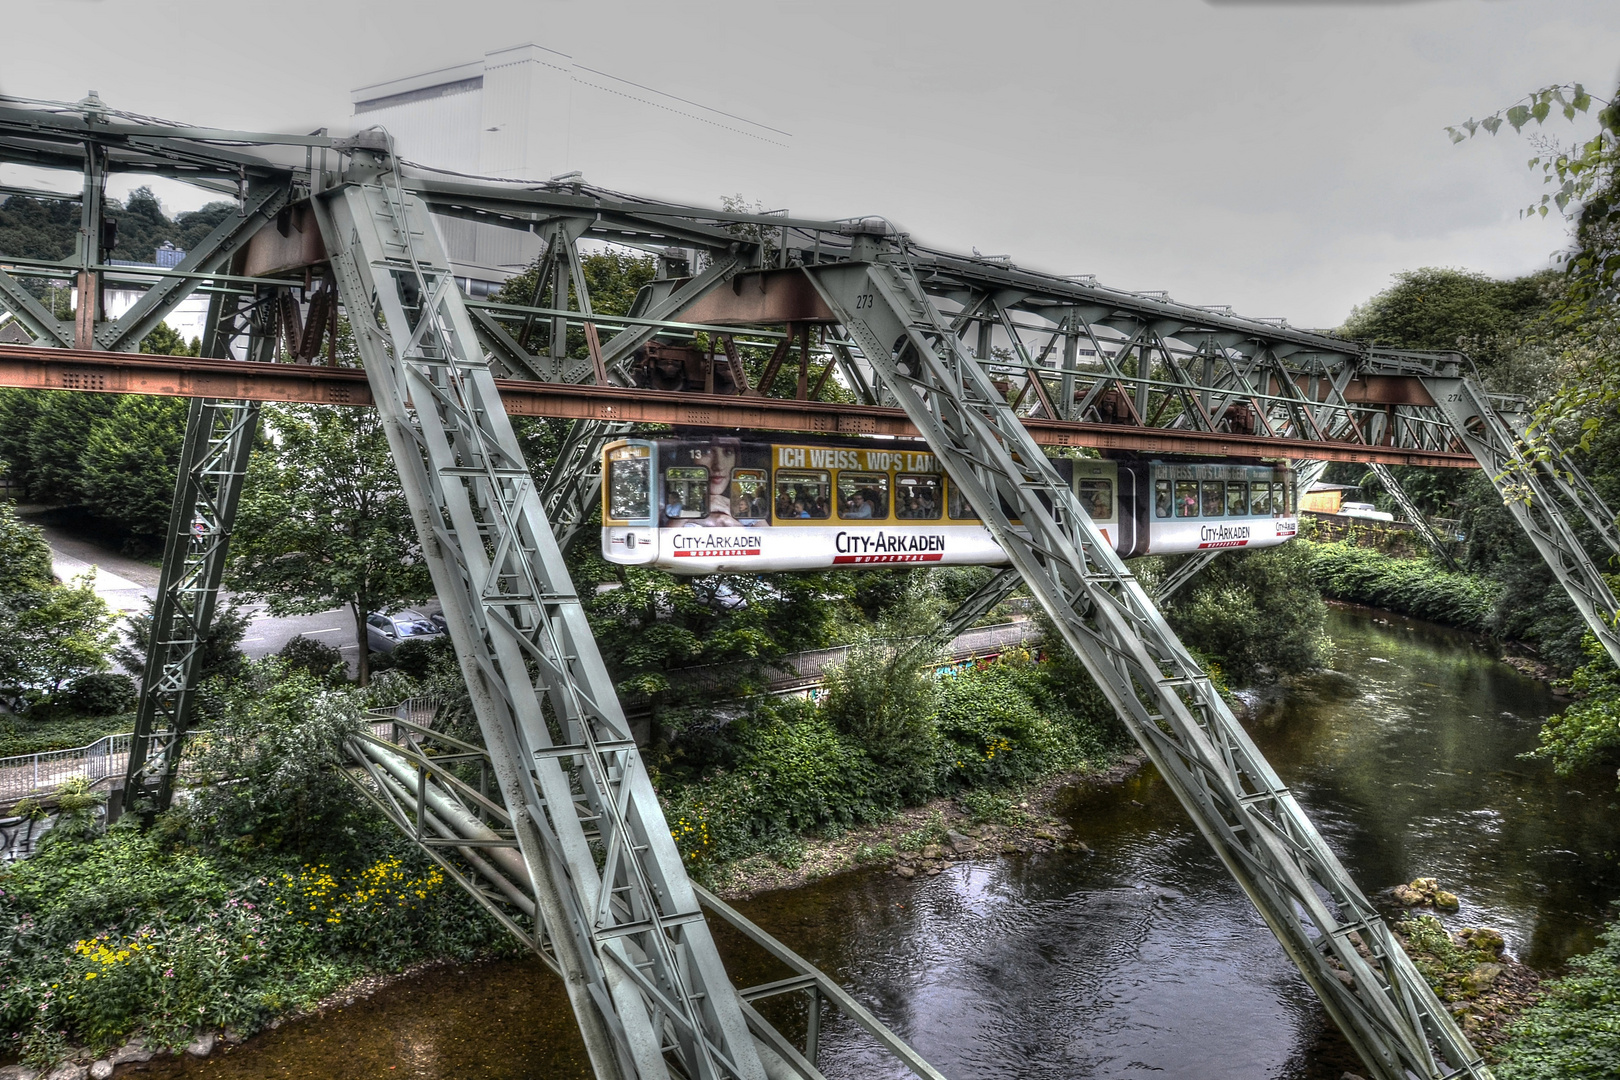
pixel 1528 492
pixel 640 966
pixel 47 328
pixel 260 204
pixel 208 485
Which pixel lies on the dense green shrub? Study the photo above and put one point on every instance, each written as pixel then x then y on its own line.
pixel 1575 1030
pixel 416 658
pixel 267 890
pixel 793 774
pixel 996 727
pixel 883 698
pixel 110 934
pixel 45 728
pixel 1256 613
pixel 1416 587
pixel 1587 732
pixel 312 658
pixel 101 693
pixel 268 769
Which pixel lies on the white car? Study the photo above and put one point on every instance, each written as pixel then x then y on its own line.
pixel 1366 511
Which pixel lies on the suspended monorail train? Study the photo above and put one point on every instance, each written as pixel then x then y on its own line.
pixel 749 504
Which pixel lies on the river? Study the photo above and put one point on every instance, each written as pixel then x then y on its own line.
pixel 1141 958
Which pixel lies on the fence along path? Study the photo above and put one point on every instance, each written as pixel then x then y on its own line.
pixel 26 775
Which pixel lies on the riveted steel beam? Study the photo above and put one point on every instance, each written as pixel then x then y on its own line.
pixel 642 972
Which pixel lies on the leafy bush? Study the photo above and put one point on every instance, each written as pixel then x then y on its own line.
pixel 102 693
pixel 994 730
pixel 883 697
pixel 268 769
pixel 1575 1030
pixel 416 658
pixel 1257 614
pixel 1416 587
pixel 1587 732
pixel 794 773
pixel 313 658
pixel 267 891
pixel 42 729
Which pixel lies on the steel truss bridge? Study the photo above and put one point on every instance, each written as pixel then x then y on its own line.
pixel 552 823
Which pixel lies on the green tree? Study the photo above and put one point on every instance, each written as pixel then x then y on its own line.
pixel 54 636
pixel 127 467
pixel 1438 308
pixel 884 697
pixel 323 522
pixel 25 558
pixel 49 633
pixel 281 735
pixel 59 432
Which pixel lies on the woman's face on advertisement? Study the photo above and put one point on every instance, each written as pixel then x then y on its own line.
pixel 720 460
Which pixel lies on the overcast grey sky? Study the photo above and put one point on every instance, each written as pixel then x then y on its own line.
pixel 1282 157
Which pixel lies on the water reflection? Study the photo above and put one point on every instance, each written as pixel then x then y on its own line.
pixel 1142 958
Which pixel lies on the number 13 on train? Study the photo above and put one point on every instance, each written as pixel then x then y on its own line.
pixel 737 505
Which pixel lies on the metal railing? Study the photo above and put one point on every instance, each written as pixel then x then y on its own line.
pixel 44 772
pixel 25 775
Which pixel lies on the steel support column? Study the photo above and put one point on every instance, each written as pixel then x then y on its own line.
pixel 1328 928
pixel 208 484
pixel 640 966
pixel 1185 571
pixel 1413 514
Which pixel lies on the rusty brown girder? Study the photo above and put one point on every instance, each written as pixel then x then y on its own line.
pixel 39 368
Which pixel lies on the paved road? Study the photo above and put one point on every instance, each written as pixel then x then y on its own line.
pixel 126 584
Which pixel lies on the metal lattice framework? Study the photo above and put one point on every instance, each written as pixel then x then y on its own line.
pixel 562 838
pixel 208 483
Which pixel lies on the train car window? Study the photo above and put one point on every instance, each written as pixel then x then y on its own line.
pixel 863 496
pixel 1287 497
pixel 957 506
pixel 1214 492
pixel 1097 497
pixel 1279 498
pixel 1262 498
pixel 629 489
pixel 1237 498
pixel 916 498
pixel 686 491
pixel 803 493
pixel 750 495
pixel 1186 498
pixel 1161 498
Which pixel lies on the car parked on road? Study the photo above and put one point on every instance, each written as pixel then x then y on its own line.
pixel 1366 511
pixel 384 632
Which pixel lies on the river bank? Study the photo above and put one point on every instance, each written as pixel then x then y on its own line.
pixel 1120 939
pixel 928 839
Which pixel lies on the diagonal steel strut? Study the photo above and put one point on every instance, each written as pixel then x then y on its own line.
pixel 1527 490
pixel 1329 929
pixel 642 972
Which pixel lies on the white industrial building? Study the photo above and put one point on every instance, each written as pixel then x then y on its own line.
pixel 533 113
pixel 485 118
